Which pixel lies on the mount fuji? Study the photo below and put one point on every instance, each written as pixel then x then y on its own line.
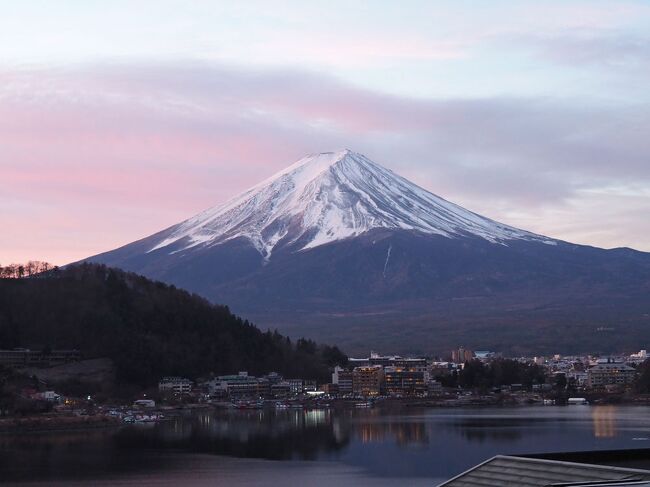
pixel 339 248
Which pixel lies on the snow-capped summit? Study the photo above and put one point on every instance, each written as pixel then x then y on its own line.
pixel 339 249
pixel 327 197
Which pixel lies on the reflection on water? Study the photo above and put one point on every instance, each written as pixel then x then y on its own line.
pixel 74 454
pixel 604 418
pixel 490 431
pixel 402 432
pixel 274 435
pixel 383 444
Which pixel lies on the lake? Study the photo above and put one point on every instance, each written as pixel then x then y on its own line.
pixel 322 447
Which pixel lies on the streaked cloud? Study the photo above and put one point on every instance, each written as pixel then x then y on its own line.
pixel 111 153
pixel 118 119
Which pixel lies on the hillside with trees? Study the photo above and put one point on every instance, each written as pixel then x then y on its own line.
pixel 149 329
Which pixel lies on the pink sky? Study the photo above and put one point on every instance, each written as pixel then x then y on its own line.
pixel 96 158
pixel 118 122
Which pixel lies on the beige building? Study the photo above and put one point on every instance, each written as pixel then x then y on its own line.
pixel 368 381
pixel 610 373
pixel 460 356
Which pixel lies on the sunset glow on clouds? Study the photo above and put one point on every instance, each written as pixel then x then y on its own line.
pixel 118 122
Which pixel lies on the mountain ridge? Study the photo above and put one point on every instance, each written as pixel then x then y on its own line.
pixel 336 244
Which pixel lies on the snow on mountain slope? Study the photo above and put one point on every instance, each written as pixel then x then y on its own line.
pixel 332 196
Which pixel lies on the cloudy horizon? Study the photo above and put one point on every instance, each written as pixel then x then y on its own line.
pixel 112 130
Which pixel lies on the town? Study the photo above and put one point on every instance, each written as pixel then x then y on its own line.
pixel 470 373
pixel 463 378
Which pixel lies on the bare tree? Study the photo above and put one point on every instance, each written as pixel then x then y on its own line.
pixel 31 268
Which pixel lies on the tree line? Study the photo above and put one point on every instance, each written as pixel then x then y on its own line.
pixel 478 375
pixel 27 269
pixel 149 329
pixel 484 376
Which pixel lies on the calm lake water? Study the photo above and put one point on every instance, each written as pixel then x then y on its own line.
pixel 295 447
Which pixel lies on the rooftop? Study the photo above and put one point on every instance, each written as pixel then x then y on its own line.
pixel 509 471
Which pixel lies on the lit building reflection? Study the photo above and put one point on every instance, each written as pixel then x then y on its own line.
pixel 265 433
pixel 604 420
pixel 402 433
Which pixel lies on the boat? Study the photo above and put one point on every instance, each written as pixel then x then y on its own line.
pixel 577 401
pixel 249 404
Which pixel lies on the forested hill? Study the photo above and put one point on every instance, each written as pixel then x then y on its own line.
pixel 149 329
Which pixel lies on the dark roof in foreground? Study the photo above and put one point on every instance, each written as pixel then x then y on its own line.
pixel 507 471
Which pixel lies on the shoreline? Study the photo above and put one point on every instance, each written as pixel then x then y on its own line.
pixel 69 423
pixel 40 424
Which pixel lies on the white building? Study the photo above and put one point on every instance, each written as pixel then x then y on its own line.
pixel 177 385
pixel 235 386
pixel 296 386
pixel 342 378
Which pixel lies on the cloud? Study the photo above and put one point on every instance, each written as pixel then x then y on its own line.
pixel 116 152
pixel 603 48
